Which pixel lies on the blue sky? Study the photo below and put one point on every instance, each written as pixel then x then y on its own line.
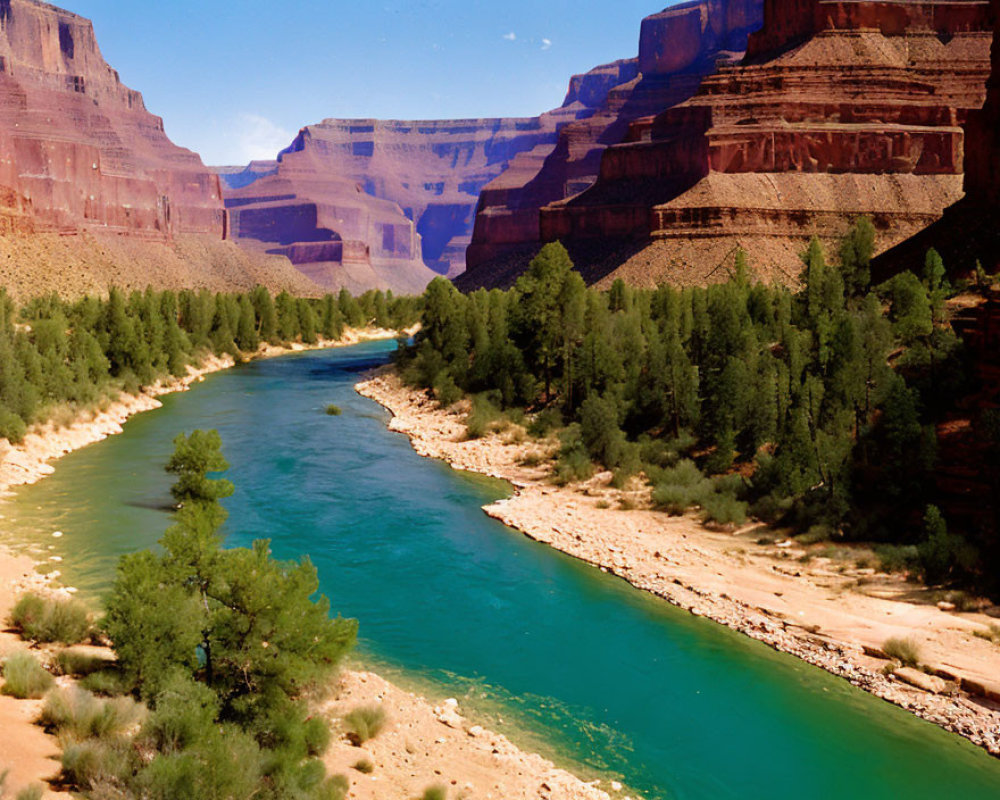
pixel 236 80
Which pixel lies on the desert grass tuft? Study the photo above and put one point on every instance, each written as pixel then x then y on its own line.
pixel 76 713
pixel 24 678
pixel 79 665
pixel 45 620
pixel 906 651
pixel 365 766
pixel 365 723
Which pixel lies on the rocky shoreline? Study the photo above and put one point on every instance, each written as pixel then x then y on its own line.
pixel 760 590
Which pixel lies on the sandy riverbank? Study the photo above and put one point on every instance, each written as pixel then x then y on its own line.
pixel 833 615
pixel 423 744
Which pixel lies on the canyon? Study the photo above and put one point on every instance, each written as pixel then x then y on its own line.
pixel 88 174
pixel 837 110
pixel 390 203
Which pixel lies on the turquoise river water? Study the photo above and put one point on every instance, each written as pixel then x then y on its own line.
pixel 601 677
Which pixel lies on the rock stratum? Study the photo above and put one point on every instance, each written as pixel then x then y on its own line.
pixel 88 177
pixel 968 234
pixel 677 49
pixel 839 109
pixel 362 203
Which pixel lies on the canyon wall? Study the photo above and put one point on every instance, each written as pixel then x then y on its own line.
pixel 92 192
pixel 840 109
pixel 677 48
pixel 392 203
pixel 968 233
pixel 80 151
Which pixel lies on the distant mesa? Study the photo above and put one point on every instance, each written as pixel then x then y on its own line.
pixel 838 109
pixel 363 203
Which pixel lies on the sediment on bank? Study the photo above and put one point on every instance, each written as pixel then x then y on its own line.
pixel 751 579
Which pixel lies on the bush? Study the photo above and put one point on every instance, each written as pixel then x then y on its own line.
pixel 107 682
pixel 365 723
pixel 44 620
pixel 897 558
pixel 546 421
pixel 991 634
pixel 574 462
pixel 77 664
pixel 316 736
pixel 680 487
pixel 365 767
pixel 184 715
pixel 333 411
pixel 479 421
pixel 906 651
pixel 33 792
pixel 24 678
pixel 435 793
pixel 78 714
pixel 92 763
pixel 724 509
pixel 446 390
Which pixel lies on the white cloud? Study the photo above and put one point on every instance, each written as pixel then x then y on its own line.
pixel 510 37
pixel 259 139
pixel 546 44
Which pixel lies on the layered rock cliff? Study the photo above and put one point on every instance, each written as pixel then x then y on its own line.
pixel 968 234
pixel 392 203
pixel 92 192
pixel 80 151
pixel 677 48
pixel 839 109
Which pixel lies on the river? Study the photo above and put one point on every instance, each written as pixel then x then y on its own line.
pixel 566 659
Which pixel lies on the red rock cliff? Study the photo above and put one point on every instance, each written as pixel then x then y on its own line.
pixel 390 203
pixel 79 150
pixel 840 109
pixel 677 47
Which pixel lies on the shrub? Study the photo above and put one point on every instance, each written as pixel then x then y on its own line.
pixel 107 682
pixel 435 793
pixel 574 462
pixel 24 678
pixel 546 421
pixel 33 792
pixel 365 767
pixel 44 620
pixel 316 736
pixel 906 651
pixel 897 558
pixel 446 390
pixel 991 634
pixel 365 723
pixel 90 763
pixel 333 411
pixel 680 487
pixel 80 665
pixel 481 418
pixel 77 713
pixel 724 509
pixel 184 715
pixel 675 500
